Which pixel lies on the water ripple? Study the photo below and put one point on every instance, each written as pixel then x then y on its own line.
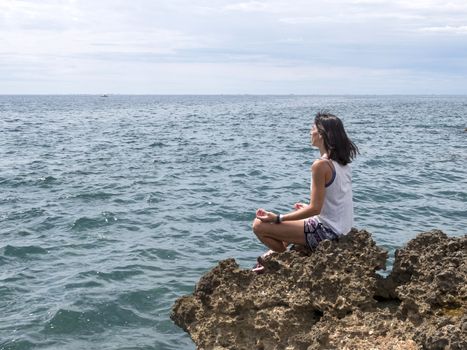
pixel 95 320
pixel 22 252
pixel 86 223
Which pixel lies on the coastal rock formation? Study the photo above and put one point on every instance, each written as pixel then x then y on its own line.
pixel 332 298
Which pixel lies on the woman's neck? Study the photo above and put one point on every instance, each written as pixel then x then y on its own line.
pixel 323 152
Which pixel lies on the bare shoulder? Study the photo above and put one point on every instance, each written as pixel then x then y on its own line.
pixel 321 169
pixel 319 165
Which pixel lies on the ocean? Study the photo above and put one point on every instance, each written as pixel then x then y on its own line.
pixel 113 207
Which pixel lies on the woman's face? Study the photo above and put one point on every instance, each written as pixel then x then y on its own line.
pixel 315 136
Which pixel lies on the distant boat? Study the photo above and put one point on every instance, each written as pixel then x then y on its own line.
pixel 104 95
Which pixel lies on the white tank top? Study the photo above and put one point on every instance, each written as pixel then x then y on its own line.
pixel 337 210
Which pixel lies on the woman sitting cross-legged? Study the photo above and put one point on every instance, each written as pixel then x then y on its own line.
pixel 330 212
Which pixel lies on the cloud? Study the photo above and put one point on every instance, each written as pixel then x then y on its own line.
pixel 251 6
pixel 446 30
pixel 352 18
pixel 48 43
pixel 434 6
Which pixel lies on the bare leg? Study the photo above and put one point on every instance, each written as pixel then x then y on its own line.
pixel 274 235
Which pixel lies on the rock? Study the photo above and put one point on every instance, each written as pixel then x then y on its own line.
pixel 334 299
pixel 430 273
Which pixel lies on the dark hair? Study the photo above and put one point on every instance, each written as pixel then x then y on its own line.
pixel 338 145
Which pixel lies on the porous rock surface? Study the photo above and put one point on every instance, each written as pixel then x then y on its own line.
pixel 332 298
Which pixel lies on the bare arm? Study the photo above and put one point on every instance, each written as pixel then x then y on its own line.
pixel 319 170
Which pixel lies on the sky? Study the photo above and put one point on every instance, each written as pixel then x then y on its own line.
pixel 233 47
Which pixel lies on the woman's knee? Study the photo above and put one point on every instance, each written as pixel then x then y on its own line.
pixel 257 226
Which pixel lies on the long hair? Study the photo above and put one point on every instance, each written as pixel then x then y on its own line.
pixel 338 145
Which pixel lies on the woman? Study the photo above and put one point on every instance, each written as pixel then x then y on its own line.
pixel 330 212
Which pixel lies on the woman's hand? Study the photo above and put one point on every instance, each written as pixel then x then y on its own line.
pixel 298 206
pixel 265 216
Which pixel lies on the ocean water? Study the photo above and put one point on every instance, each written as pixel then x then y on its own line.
pixel 111 208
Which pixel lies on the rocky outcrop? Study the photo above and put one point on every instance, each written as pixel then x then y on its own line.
pixel 333 298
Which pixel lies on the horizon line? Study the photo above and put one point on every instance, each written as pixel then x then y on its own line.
pixel 222 94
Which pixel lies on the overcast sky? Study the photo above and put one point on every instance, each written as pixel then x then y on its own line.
pixel 233 47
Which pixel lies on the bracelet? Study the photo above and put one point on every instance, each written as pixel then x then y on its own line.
pixel 278 218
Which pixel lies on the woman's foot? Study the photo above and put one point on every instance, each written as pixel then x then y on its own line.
pixel 259 267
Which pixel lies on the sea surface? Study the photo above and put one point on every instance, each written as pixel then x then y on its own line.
pixel 113 207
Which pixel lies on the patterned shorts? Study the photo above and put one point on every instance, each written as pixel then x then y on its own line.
pixel 316 232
